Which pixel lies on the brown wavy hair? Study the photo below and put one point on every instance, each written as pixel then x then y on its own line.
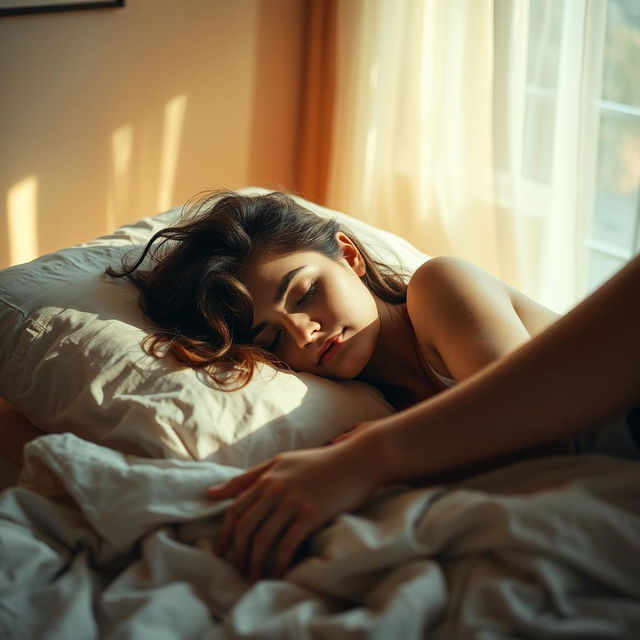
pixel 191 277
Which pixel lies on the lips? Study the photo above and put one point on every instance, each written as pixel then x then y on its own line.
pixel 329 348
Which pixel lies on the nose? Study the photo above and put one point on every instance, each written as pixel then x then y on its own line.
pixel 302 328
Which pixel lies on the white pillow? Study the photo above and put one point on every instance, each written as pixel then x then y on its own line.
pixel 71 359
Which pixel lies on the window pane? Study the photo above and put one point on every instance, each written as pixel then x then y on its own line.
pixel 621 79
pixel 600 267
pixel 618 178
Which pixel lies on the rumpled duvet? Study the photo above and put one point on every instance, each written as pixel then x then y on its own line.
pixel 95 543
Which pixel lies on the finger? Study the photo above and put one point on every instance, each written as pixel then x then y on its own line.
pixel 263 540
pixel 248 523
pixel 296 533
pixel 239 483
pixel 232 514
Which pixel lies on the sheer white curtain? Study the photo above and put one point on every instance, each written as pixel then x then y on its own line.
pixel 470 127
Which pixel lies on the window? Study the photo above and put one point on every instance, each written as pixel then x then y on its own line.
pixel 614 233
pixel 544 49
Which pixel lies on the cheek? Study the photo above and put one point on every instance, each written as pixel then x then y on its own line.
pixel 292 355
pixel 355 300
pixel 296 360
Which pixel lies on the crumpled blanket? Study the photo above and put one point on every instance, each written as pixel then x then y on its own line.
pixel 94 543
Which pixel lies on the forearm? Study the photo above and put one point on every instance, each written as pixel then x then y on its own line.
pixel 581 370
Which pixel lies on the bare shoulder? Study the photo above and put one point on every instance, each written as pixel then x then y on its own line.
pixel 467 316
pixel 448 277
pixel 451 276
pixel 448 269
pixel 451 291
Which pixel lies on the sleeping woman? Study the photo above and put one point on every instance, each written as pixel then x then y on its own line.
pixel 250 279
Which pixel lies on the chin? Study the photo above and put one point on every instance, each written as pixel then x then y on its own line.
pixel 348 369
pixel 355 361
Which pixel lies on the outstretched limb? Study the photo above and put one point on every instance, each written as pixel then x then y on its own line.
pixel 580 371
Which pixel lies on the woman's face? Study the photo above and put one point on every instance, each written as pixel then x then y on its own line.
pixel 313 312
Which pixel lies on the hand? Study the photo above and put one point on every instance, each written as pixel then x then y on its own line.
pixel 282 501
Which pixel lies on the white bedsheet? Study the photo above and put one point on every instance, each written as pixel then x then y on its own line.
pixel 96 543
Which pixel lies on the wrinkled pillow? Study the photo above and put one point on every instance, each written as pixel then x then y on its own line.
pixel 71 359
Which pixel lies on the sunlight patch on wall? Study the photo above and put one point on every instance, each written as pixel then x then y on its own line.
pixel 22 220
pixel 120 189
pixel 173 121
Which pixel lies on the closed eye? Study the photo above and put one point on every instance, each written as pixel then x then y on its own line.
pixel 308 294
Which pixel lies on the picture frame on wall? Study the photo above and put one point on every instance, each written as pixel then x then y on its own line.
pixel 21 7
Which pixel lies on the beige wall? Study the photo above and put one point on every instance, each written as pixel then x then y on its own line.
pixel 110 115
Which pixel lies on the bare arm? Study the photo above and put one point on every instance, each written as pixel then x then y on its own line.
pixel 464 318
pixel 581 370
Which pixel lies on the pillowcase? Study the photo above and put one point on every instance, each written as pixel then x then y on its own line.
pixel 71 359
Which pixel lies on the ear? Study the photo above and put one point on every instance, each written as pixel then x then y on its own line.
pixel 351 254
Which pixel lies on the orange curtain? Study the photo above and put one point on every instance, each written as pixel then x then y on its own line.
pixel 317 102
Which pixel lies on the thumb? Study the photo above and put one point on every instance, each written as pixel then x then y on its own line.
pixel 238 483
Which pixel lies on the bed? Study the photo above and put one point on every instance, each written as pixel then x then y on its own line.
pixel 106 452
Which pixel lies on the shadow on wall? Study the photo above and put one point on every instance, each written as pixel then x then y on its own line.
pixel 116 115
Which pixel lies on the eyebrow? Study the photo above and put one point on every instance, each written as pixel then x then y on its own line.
pixel 280 293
